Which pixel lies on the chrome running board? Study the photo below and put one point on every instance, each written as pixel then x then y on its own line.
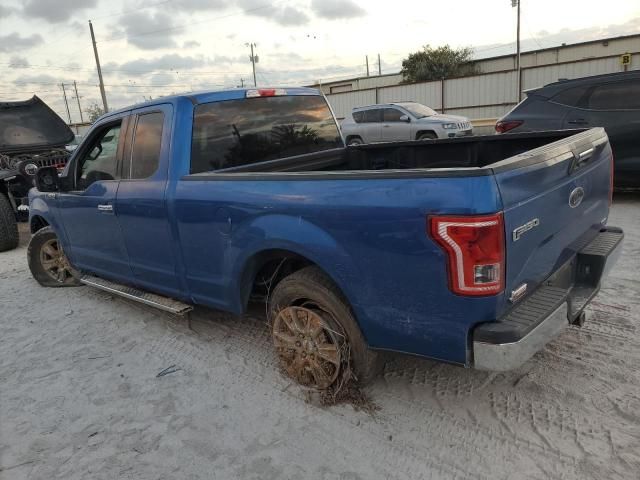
pixel 163 303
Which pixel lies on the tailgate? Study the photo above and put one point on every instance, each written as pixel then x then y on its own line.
pixel 555 200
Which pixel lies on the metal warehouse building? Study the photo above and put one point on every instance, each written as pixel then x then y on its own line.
pixel 494 91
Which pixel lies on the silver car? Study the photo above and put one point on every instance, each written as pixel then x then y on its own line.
pixel 394 122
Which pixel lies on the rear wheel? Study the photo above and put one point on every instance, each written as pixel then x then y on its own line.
pixel 8 225
pixel 47 261
pixel 427 136
pixel 317 339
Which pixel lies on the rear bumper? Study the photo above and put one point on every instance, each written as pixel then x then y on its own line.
pixel 509 342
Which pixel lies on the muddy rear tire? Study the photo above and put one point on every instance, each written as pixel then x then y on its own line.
pixel 47 261
pixel 8 225
pixel 316 336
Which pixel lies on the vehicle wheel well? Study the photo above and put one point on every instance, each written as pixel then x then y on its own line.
pixel 37 223
pixel 265 269
pixel 351 137
pixel 421 132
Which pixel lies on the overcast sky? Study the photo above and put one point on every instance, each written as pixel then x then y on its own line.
pixel 156 47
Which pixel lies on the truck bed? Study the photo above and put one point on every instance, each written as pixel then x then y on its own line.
pixel 466 156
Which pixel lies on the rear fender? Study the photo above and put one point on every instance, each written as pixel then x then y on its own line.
pixel 296 235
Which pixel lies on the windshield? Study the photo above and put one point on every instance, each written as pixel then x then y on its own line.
pixel 418 110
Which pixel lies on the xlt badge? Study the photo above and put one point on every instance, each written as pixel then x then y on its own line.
pixel 522 229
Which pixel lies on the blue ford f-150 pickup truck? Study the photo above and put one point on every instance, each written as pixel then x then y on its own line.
pixel 474 251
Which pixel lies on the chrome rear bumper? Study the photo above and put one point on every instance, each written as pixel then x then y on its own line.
pixel 511 341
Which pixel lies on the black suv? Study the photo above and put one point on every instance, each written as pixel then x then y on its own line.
pixel 611 101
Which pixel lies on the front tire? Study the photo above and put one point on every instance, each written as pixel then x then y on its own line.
pixel 315 334
pixel 354 141
pixel 47 261
pixel 427 136
pixel 9 236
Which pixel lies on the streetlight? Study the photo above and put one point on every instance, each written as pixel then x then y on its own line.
pixel 516 3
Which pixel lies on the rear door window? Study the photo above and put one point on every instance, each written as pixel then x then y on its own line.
pixel 245 131
pixel 373 115
pixel 147 140
pixel 615 96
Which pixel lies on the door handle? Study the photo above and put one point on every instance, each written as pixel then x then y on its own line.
pixel 578 121
pixel 105 207
pixel 386 126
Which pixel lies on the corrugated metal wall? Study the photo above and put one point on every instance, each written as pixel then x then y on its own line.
pixel 480 96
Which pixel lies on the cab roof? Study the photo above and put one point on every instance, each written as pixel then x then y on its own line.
pixel 208 96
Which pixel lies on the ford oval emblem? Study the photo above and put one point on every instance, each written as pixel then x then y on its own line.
pixel 576 197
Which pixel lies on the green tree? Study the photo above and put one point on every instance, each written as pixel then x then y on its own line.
pixel 436 63
pixel 94 111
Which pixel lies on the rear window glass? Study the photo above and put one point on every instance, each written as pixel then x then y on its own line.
pixel 570 97
pixel 245 131
pixel 615 96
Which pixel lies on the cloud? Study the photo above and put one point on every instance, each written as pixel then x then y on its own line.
pixel 38 79
pixel 6 11
pixel 193 5
pixel 150 31
pixel 545 39
pixel 190 44
pixel 335 9
pixel 285 16
pixel 169 62
pixel 55 11
pixel 18 62
pixel 15 41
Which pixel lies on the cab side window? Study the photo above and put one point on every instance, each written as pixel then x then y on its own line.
pixel 145 151
pixel 99 162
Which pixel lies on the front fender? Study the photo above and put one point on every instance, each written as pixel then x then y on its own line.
pixel 296 235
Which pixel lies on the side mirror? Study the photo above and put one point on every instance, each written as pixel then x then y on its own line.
pixel 47 179
pixel 405 118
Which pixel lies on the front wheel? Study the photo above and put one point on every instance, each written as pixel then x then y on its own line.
pixel 355 141
pixel 427 136
pixel 317 339
pixel 47 261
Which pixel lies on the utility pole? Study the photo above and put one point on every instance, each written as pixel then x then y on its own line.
pixel 78 99
pixel 254 59
pixel 367 60
pixel 241 82
pixel 516 3
pixel 379 66
pixel 95 51
pixel 66 103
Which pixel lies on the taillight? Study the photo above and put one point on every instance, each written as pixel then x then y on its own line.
pixel 475 251
pixel 502 127
pixel 266 92
pixel 611 182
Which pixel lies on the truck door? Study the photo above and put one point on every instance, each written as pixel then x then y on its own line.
pixel 141 204
pixel 88 212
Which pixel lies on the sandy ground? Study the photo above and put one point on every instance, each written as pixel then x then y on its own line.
pixel 80 397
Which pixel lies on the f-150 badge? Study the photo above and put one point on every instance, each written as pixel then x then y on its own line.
pixel 522 229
